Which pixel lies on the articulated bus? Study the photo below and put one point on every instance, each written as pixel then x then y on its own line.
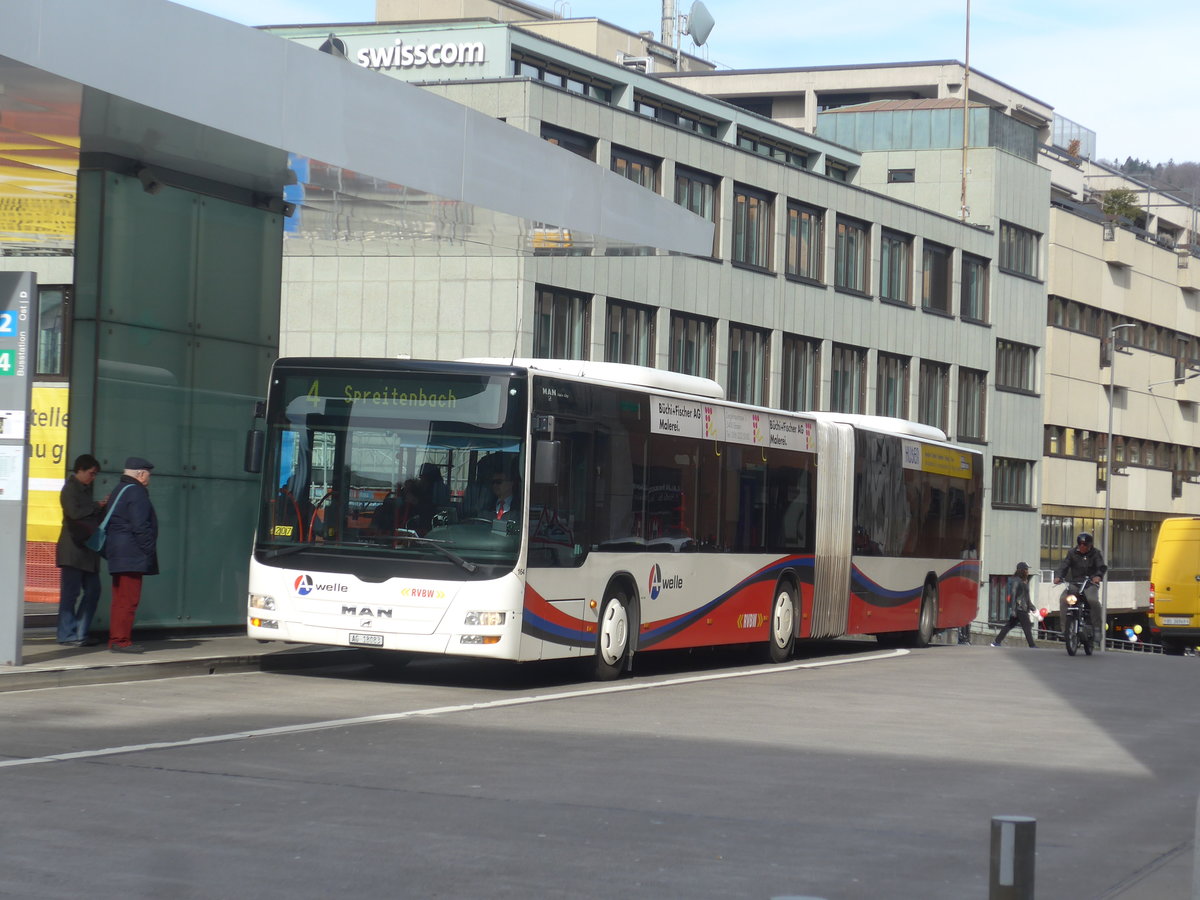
pixel 645 513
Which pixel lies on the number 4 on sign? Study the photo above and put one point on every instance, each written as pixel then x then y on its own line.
pixel 7 362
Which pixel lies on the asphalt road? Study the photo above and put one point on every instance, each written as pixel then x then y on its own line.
pixel 848 773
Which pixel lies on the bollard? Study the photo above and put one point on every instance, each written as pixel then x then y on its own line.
pixel 1014 842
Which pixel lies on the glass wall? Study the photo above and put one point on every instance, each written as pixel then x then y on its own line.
pixel 174 335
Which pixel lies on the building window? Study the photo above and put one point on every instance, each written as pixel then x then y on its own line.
pixel 749 357
pixel 933 394
pixel 697 192
pixel 54 321
pixel 524 66
pixel 804 243
pixel 935 277
pixel 1012 482
pixel 895 267
pixel 1014 366
pixel 670 114
pixel 973 305
pixel 579 144
pixel 1018 250
pixel 630 335
pixel 752 229
pixel 801 373
pixel 852 255
pixel 972 404
pixel 848 379
pixel 640 169
pixel 693 339
pixel 901 176
pixel 756 143
pixel 562 324
pixel 637 167
pixel 836 170
pixel 891 386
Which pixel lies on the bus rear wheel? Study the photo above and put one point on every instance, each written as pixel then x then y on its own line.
pixel 612 636
pixel 926 619
pixel 781 635
pixel 926 624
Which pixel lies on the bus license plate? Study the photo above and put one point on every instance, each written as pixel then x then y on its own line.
pixel 366 640
pixel 1176 620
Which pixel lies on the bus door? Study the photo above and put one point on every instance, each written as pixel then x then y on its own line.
pixel 561 492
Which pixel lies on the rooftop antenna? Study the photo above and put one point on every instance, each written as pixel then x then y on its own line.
pixel 697 24
pixel 966 88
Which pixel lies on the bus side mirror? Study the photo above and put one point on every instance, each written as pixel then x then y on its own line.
pixel 256 442
pixel 545 462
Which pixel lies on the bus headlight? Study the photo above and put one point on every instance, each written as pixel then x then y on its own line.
pixel 480 638
pixel 478 617
pixel 262 601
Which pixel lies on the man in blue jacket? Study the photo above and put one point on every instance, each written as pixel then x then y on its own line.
pixel 131 548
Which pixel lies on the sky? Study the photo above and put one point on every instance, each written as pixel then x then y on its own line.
pixel 1131 78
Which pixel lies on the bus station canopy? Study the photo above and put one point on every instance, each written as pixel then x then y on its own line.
pixel 369 157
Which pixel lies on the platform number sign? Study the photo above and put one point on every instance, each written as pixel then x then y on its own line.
pixel 8 328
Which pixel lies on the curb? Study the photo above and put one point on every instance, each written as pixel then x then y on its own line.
pixel 150 669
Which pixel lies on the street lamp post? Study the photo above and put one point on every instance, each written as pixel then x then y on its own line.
pixel 1108 468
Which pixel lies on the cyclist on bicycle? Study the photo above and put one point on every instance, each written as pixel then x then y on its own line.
pixel 1082 561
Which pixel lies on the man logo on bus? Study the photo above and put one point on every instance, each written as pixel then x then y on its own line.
pixel 655 581
pixel 303 585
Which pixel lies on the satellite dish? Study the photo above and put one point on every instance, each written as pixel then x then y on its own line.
pixel 699 23
pixel 334 46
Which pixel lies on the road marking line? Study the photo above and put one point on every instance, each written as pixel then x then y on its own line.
pixel 440 711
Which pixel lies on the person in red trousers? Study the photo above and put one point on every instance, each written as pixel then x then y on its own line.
pixel 131 548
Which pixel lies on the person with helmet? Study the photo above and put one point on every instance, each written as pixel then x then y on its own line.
pixel 1020 607
pixel 1082 561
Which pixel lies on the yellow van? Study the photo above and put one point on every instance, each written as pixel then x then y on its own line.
pixel 1175 584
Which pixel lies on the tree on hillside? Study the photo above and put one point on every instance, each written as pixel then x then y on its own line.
pixel 1181 179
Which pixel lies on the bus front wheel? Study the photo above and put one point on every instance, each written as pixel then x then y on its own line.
pixel 612 636
pixel 781 637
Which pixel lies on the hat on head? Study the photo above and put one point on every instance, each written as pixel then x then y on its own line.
pixel 1022 567
pixel 136 462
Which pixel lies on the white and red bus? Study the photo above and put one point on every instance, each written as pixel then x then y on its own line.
pixel 647 513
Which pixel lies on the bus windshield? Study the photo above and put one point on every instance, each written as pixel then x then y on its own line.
pixel 410 471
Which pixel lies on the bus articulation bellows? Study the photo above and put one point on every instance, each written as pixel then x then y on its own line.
pixel 547 509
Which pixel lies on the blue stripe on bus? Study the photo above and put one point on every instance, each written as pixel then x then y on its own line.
pixel 536 626
pixel 767 573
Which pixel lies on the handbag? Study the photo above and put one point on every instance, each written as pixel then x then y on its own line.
pixel 82 529
pixel 99 536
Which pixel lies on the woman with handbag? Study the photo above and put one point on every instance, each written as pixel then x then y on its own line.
pixel 80 564
pixel 131 548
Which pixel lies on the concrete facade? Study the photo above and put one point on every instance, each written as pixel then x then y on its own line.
pixel 1097 271
pixel 449 306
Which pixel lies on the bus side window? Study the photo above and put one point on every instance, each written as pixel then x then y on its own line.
pixel 559 515
pixel 790 510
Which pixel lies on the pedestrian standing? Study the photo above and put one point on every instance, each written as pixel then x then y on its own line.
pixel 1020 606
pixel 79 580
pixel 131 549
